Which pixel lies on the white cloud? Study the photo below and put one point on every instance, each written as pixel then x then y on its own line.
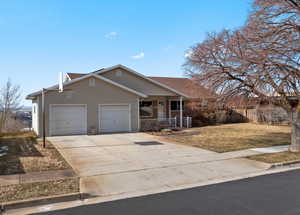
pixel 111 35
pixel 138 56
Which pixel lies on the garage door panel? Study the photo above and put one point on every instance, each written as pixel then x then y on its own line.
pixel 68 120
pixel 64 125
pixel 107 114
pixel 114 118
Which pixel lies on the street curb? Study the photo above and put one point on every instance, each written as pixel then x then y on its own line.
pixel 39 201
pixel 86 200
pixel 282 164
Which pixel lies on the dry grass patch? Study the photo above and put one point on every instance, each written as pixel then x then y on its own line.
pixel 38 189
pixel 25 154
pixel 279 157
pixel 231 137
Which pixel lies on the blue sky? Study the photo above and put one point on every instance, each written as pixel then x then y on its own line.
pixel 40 38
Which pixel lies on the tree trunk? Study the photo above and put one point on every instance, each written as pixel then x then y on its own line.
pixel 295 136
pixel 2 115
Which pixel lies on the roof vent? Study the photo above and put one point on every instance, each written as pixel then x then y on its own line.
pixel 119 73
pixel 92 82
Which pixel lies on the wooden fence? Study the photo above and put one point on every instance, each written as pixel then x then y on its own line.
pixel 249 114
pixel 265 115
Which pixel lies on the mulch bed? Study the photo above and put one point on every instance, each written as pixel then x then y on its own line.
pixel 25 154
pixel 38 189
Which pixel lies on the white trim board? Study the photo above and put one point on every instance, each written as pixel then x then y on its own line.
pixel 138 110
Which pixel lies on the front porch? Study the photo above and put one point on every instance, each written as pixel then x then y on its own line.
pixel 163 112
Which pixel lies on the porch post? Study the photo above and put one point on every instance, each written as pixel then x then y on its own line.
pixel 139 121
pixel 180 111
pixel 169 108
pixel 44 117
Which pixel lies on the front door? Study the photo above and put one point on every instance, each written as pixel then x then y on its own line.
pixel 161 112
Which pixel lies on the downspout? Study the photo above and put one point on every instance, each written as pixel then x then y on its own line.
pixel 139 121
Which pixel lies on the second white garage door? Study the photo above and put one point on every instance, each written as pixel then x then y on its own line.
pixel 114 118
pixel 68 120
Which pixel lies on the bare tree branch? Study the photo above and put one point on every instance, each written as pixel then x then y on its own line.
pixel 262 59
pixel 10 99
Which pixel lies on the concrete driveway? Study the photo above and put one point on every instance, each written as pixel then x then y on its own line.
pixel 137 162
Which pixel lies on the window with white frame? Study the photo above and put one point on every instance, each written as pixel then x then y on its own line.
pixel 175 105
pixel 146 108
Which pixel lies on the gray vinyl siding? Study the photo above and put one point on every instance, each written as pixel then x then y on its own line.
pixel 81 93
pixel 137 83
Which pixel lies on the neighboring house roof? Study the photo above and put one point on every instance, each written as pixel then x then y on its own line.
pixel 185 85
pixel 30 96
pixel 75 75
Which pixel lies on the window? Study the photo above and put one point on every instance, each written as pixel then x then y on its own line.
pixel 146 108
pixel 175 105
pixel 162 103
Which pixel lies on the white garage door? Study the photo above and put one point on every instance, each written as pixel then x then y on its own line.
pixel 68 120
pixel 114 118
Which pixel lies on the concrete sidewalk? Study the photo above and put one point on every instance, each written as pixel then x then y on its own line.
pixel 274 194
pixel 45 209
pixel 168 177
pixel 253 151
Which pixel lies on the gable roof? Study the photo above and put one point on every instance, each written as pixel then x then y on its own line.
pixel 30 96
pixel 185 85
pixel 101 71
pixel 182 86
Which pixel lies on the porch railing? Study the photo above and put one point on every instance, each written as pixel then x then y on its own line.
pixel 161 123
pixel 187 122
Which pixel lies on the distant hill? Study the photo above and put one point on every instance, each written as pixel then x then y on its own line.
pixel 26 108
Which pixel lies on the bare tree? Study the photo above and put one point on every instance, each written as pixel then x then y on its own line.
pixel 262 59
pixel 10 99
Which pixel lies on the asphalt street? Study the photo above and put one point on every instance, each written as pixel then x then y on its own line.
pixel 276 194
